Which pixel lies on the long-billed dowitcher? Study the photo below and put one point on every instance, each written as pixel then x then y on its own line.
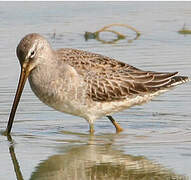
pixel 85 84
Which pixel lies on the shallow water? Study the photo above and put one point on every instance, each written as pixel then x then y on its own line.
pixel 46 144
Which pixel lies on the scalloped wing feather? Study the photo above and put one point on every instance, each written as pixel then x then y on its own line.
pixel 108 79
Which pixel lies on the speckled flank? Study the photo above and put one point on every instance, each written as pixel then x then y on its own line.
pixel 87 84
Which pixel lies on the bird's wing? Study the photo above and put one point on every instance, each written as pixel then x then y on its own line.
pixel 107 86
pixel 109 79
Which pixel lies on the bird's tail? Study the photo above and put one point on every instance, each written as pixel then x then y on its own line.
pixel 176 80
pixel 165 81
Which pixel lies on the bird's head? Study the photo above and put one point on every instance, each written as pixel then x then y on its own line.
pixel 31 51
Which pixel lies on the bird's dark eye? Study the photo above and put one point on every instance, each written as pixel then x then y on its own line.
pixel 32 54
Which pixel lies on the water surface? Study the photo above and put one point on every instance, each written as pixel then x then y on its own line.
pixel 46 144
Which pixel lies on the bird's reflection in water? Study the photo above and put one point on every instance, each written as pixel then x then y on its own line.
pixel 96 162
pixel 14 159
pixel 100 161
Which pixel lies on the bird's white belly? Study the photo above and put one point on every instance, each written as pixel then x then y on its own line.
pixel 109 108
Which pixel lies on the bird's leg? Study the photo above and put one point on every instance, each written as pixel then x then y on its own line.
pixel 117 126
pixel 91 128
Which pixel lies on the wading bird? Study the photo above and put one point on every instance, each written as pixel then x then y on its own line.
pixel 85 84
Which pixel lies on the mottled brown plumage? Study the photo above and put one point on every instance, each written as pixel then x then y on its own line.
pixel 110 80
pixel 85 84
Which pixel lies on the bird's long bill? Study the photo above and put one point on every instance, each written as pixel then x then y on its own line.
pixel 23 77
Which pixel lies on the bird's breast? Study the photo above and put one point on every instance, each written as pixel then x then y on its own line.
pixel 64 91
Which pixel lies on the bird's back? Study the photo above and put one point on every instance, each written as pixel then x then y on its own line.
pixel 112 80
